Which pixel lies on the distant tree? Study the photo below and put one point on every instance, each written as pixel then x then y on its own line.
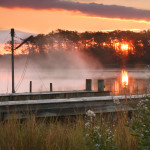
pixel 98 44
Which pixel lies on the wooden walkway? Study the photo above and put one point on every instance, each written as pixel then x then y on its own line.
pixel 51 95
pixel 67 106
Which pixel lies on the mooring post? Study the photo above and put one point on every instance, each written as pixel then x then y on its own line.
pixel 51 87
pixel 101 85
pixel 88 84
pixel 30 86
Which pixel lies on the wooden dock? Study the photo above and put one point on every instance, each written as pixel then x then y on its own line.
pixel 67 106
pixel 51 95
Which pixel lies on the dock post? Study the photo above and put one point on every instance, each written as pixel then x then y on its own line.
pixel 51 87
pixel 30 86
pixel 101 85
pixel 88 84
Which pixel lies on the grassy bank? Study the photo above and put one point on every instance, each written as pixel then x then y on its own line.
pixel 89 133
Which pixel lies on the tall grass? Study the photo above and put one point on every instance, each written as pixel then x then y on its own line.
pixel 122 136
pixel 32 134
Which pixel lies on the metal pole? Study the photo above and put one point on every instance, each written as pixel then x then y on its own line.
pixel 51 87
pixel 30 86
pixel 12 59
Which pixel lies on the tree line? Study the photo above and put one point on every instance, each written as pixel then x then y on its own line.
pixel 103 46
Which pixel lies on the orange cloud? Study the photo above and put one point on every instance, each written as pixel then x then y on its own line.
pixel 44 21
pixel 90 9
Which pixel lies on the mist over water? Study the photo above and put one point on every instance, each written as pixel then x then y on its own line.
pixel 67 71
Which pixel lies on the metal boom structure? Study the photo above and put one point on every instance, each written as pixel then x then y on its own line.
pixel 12 55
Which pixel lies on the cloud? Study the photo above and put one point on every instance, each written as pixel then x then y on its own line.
pixel 90 9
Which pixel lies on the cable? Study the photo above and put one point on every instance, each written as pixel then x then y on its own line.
pixel 9 68
pixel 24 71
pixel 17 37
pixel 40 78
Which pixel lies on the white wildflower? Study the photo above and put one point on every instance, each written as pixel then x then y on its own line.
pixel 97 145
pixel 116 101
pixel 140 104
pixel 146 108
pixel 146 100
pixel 99 135
pixel 87 124
pixel 96 128
pixel 147 131
pixel 90 113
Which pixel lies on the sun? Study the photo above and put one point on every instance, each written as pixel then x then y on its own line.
pixel 124 47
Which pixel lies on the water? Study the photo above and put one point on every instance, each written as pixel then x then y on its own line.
pixel 67 80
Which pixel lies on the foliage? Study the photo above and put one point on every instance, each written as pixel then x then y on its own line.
pixel 99 137
pixel 141 124
pixel 100 45
pixel 92 43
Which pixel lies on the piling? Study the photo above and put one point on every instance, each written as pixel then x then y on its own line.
pixel 101 85
pixel 51 87
pixel 30 86
pixel 88 85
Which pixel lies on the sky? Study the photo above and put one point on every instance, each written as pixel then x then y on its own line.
pixel 43 16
